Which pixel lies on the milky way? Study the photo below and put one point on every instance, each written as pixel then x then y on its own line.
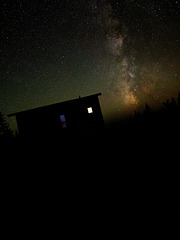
pixel 143 47
pixel 57 50
pixel 121 78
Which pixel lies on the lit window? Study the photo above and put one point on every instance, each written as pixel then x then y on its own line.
pixel 90 110
pixel 63 121
pixel 62 118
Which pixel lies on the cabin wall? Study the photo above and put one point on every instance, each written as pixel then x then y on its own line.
pixel 74 116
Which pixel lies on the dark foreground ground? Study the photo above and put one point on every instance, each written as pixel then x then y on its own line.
pixel 122 180
pixel 125 175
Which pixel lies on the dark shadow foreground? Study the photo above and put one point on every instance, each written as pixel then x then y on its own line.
pixel 127 171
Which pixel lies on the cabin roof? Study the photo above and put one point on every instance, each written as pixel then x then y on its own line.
pixel 55 104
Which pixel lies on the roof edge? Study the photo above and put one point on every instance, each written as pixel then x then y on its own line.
pixel 14 114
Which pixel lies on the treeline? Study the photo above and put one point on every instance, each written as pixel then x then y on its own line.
pixel 164 121
pixel 169 112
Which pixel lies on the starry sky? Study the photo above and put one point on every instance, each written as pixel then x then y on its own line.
pixel 56 50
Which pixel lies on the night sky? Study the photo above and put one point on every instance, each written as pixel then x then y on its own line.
pixel 56 50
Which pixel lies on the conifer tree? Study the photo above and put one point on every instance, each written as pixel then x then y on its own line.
pixel 5 130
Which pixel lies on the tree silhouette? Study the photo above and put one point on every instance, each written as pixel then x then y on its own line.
pixel 168 115
pixel 5 130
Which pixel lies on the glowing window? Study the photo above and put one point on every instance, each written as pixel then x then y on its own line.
pixel 62 118
pixel 90 110
pixel 63 121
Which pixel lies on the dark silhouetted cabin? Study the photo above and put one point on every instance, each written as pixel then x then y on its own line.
pixel 81 115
